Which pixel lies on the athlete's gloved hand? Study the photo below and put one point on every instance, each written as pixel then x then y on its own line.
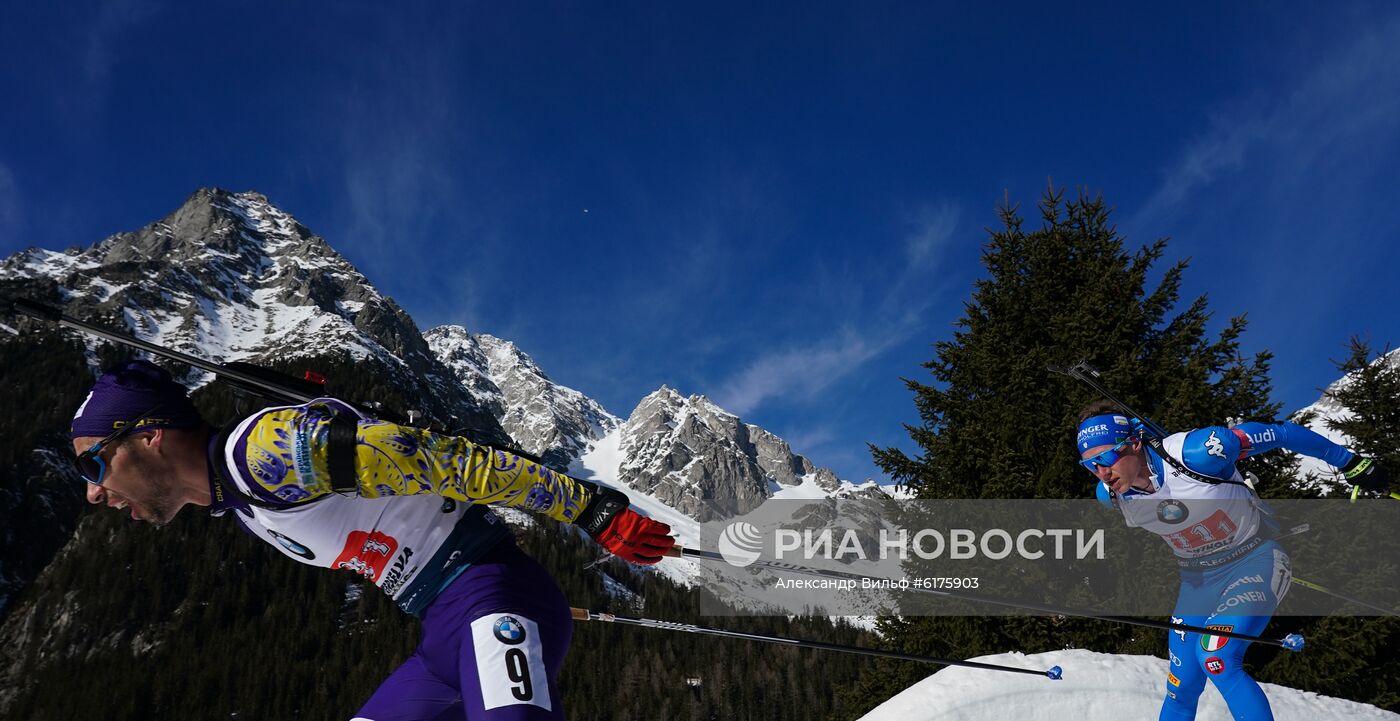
pixel 636 538
pixel 1368 474
pixel 624 532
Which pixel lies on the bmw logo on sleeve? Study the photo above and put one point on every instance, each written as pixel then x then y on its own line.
pixel 509 631
pixel 293 546
pixel 1172 511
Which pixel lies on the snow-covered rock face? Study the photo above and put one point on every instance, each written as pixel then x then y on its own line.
pixel 228 276
pixel 461 353
pixel 705 462
pixel 686 454
pixel 547 419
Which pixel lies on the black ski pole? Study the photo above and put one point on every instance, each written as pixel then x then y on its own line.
pixel 1054 673
pixel 1292 642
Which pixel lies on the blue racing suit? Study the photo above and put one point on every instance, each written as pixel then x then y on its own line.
pixel 1232 574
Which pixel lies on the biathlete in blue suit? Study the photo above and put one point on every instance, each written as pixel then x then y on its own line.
pixel 1233 574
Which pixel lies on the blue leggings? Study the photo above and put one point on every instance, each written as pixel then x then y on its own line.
pixel 1239 597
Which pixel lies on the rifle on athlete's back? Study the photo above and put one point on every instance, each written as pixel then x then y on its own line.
pixel 244 378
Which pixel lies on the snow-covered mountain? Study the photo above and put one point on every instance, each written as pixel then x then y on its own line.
pixel 228 276
pixel 687 454
pixel 545 418
pixel 231 277
pixel 1095 687
pixel 707 463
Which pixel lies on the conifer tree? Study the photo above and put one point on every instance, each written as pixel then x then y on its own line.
pixel 994 423
pixel 1357 659
pixel 1372 395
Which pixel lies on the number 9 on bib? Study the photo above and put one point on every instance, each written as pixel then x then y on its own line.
pixel 509 661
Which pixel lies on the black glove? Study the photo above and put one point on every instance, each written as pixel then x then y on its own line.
pixel 1368 474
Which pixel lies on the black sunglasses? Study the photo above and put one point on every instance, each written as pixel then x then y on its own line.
pixel 90 463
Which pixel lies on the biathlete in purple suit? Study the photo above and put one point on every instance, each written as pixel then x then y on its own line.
pixel 404 507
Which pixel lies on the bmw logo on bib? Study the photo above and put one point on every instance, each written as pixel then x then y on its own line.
pixel 1172 511
pixel 508 630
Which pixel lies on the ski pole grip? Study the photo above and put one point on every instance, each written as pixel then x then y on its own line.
pixel 579 614
pixel 675 551
pixel 38 310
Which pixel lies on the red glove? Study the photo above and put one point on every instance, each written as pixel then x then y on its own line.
pixel 636 538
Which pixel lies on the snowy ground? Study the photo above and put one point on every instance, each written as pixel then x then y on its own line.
pixel 600 464
pixel 1096 687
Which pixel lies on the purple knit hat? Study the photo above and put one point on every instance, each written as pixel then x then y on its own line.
pixel 129 389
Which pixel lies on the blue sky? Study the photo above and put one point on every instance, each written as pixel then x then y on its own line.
pixel 778 206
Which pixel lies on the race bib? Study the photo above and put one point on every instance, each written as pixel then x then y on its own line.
pixel 509 661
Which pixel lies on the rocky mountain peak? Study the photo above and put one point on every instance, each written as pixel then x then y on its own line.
pixel 664 401
pixel 233 229
pixel 229 276
pixel 545 418
pixel 708 463
pixel 462 354
pixel 507 357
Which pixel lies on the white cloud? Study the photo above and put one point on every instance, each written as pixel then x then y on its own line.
pixel 398 142
pixel 802 372
pixel 933 227
pixel 1332 120
pixel 909 293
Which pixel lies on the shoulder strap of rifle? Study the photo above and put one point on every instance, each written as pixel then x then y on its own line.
pixel 341 454
pixel 340 459
pixel 1180 466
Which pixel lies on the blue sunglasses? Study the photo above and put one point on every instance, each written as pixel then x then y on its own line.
pixel 1108 457
pixel 90 464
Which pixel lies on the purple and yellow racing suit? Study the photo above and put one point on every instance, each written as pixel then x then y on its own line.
pixel 417 525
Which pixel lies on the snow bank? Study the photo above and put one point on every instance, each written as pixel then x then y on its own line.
pixel 1096 687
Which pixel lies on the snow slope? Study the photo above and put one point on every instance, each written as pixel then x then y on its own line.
pixel 600 464
pixel 1096 687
